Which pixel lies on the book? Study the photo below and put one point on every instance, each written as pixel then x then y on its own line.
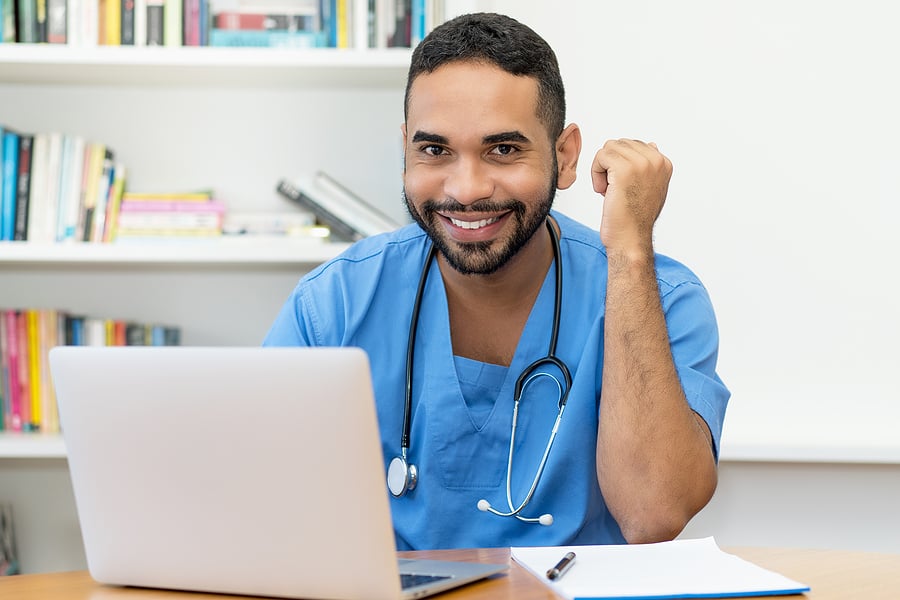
pixel 127 20
pixel 9 163
pixel 114 203
pixel 50 202
pixel 23 187
pixel 140 22
pixel 56 22
pixel 40 155
pixel 8 21
pixel 14 413
pixel 267 38
pixel 4 376
pixel 96 154
pixel 173 28
pixel 690 568
pixel 26 21
pixel 71 182
pixel 155 23
pixel 348 215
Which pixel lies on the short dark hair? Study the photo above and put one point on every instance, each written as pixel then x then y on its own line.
pixel 501 41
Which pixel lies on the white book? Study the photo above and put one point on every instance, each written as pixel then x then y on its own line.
pixel 74 30
pixel 37 195
pixel 70 204
pixel 140 22
pixel 359 14
pixel 54 171
pixel 89 23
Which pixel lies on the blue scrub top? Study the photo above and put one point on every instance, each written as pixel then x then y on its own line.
pixel 365 298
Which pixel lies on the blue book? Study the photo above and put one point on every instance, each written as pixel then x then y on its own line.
pixel 8 192
pixel 328 16
pixel 270 38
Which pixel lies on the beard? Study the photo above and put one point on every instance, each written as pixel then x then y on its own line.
pixel 482 258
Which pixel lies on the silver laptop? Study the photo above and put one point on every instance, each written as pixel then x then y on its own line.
pixel 251 471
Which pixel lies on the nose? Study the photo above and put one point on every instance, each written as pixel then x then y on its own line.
pixel 468 181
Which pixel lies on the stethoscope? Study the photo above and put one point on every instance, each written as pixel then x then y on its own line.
pixel 403 476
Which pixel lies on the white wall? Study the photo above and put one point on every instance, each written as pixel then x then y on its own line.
pixel 781 119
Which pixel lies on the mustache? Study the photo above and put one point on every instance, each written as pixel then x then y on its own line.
pixel 481 206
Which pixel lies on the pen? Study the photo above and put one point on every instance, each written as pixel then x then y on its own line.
pixel 562 566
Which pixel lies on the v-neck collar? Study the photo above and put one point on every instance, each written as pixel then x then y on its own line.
pixel 439 379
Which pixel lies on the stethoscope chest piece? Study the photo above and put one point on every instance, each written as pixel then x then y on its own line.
pixel 402 476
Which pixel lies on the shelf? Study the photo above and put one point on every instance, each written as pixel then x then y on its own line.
pixel 222 251
pixel 31 445
pixel 744 452
pixel 203 66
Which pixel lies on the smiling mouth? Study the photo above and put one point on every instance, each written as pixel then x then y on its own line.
pixel 473 224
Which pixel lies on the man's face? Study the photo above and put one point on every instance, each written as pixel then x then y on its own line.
pixel 480 170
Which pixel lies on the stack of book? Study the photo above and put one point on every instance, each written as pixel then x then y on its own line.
pixel 56 188
pixel 27 401
pixel 281 23
pixel 347 216
pixel 168 216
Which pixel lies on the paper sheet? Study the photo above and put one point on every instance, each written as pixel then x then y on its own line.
pixel 678 569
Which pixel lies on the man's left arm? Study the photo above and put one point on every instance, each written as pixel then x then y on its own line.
pixel 655 461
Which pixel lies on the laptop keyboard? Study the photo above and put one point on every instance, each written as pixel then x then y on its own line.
pixel 408 580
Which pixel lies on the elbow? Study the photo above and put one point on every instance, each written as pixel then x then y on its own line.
pixel 663 521
pixel 651 531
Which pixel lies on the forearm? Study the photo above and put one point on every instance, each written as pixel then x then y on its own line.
pixel 654 458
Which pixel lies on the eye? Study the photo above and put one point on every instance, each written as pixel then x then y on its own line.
pixel 504 149
pixel 433 150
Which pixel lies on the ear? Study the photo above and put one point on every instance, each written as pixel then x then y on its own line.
pixel 568 148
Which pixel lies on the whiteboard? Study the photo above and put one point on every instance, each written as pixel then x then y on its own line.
pixel 782 120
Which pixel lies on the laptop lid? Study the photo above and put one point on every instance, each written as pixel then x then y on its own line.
pixel 233 470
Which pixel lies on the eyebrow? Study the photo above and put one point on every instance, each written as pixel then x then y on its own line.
pixel 421 136
pixel 494 138
pixel 505 136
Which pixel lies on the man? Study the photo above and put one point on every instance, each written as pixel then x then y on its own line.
pixel 634 457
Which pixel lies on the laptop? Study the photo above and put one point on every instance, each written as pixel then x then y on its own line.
pixel 254 471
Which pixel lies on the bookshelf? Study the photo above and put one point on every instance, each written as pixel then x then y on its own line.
pixel 202 66
pixel 236 120
pixel 224 251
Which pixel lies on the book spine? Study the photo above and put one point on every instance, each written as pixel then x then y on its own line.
pixel 155 22
pixel 140 22
pixel 40 15
pixel 56 22
pixel 14 422
pixel 23 366
pixel 23 187
pixel 7 21
pixel 39 154
pixel 270 39
pixel 74 16
pixel 337 226
pixel 26 21
pixel 127 23
pixel 173 30
pixel 34 373
pixel 9 163
pixel 113 22
pixel 130 206
pixel 114 202
pixel 50 208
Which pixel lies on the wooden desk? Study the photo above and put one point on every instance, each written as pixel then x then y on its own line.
pixel 832 574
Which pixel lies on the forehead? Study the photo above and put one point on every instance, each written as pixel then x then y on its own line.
pixel 471 96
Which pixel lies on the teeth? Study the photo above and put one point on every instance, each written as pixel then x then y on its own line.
pixel 474 224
